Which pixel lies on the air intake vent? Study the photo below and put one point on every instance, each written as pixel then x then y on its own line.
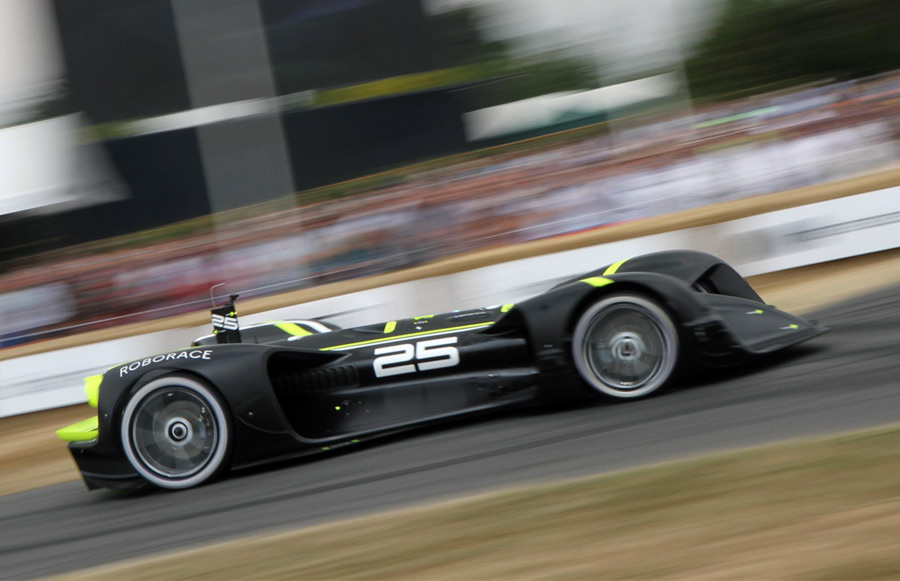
pixel 316 380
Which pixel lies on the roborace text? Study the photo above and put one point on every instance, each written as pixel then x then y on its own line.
pixel 196 354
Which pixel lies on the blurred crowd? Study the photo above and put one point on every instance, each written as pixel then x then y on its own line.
pixel 638 167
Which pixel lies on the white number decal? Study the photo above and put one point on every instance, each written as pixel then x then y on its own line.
pixel 227 323
pixel 391 355
pixel 431 354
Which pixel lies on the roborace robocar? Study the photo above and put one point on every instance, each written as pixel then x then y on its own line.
pixel 241 397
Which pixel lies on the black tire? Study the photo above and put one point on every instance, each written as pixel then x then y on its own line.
pixel 176 432
pixel 626 346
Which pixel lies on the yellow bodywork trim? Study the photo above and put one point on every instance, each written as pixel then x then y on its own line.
pixel 92 389
pixel 83 431
pixel 293 329
pixel 598 281
pixel 390 326
pixel 420 334
pixel 507 307
pixel 613 269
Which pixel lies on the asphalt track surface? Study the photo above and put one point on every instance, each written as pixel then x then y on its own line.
pixel 845 380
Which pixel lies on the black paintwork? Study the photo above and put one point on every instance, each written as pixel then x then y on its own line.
pixel 292 396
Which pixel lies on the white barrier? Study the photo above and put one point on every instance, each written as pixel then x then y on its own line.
pixel 769 242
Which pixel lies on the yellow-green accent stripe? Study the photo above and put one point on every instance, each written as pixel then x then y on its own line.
pixel 507 308
pixel 390 326
pixel 423 317
pixel 613 269
pixel 293 329
pixel 92 389
pixel 598 281
pixel 83 431
pixel 430 332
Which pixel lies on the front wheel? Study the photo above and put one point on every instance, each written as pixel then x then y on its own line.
pixel 175 432
pixel 625 346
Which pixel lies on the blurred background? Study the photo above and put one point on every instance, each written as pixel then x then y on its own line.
pixel 152 148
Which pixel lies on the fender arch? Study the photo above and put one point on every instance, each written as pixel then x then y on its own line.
pixel 549 319
pixel 699 270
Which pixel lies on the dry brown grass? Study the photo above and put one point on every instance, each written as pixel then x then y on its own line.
pixel 826 509
pixel 31 455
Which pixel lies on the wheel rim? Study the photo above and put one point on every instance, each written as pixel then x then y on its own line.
pixel 625 346
pixel 175 432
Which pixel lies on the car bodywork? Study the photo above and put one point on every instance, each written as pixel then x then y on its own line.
pixel 292 388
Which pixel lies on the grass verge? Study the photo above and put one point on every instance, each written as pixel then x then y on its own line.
pixel 822 509
pixel 31 455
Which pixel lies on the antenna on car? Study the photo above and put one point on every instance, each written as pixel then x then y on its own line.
pixel 224 319
pixel 212 296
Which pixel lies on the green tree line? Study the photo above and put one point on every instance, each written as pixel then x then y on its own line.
pixel 761 45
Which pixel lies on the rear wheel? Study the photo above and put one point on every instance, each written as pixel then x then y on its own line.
pixel 625 346
pixel 176 433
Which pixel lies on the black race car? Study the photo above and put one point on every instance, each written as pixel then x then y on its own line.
pixel 245 396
